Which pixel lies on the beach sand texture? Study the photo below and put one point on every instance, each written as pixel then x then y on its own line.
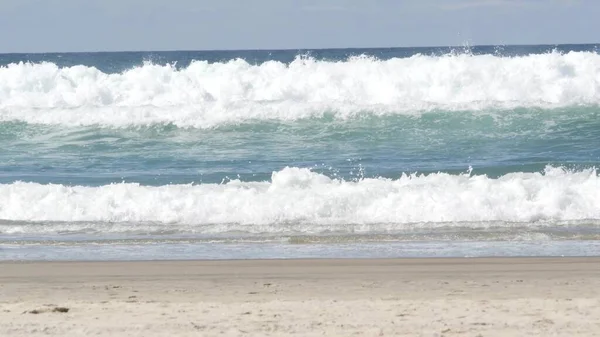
pixel 369 297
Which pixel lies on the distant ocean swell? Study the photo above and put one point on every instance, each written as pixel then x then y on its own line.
pixel 205 95
pixel 299 200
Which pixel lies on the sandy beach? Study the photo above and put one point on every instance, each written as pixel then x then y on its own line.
pixel 370 297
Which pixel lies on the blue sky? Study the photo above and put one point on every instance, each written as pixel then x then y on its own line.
pixel 109 25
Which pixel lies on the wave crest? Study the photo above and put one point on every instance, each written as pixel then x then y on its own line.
pixel 209 94
pixel 299 200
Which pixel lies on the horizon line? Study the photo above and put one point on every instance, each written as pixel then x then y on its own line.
pixel 299 49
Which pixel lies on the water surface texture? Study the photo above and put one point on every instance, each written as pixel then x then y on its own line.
pixel 325 149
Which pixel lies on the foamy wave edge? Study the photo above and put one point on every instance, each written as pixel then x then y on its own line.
pixel 210 94
pixel 299 200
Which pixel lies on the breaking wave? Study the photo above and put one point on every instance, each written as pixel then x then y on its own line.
pixel 207 94
pixel 299 200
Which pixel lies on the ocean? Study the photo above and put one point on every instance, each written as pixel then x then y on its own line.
pixel 399 152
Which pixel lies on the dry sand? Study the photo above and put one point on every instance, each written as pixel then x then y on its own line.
pixel 371 297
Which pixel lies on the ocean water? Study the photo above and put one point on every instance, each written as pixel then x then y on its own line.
pixel 479 151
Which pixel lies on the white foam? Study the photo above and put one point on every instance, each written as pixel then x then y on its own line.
pixel 209 94
pixel 298 200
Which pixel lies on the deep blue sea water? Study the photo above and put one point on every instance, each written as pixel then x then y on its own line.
pixel 488 150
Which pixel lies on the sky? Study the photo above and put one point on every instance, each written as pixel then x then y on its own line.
pixel 117 25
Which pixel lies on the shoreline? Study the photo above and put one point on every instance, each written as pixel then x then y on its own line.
pixel 304 297
pixel 274 265
pixel 325 260
pixel 252 251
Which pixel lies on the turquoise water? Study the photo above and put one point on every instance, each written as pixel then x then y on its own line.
pixel 489 145
pixel 493 143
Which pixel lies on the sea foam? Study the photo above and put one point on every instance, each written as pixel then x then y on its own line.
pixel 207 94
pixel 299 200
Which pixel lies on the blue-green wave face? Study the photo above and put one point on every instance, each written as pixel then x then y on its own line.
pixel 372 144
pixel 493 143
